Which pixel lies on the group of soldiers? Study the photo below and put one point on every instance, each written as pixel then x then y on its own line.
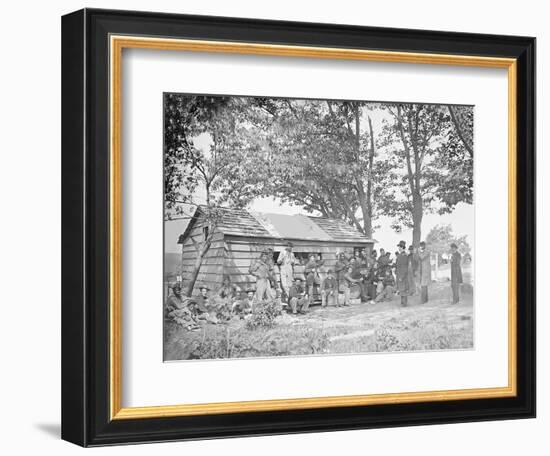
pixel 193 312
pixel 370 276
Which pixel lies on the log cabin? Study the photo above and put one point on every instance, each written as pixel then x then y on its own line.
pixel 240 236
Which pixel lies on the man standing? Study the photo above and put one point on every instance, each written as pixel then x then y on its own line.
pixel 340 270
pixel 383 263
pixel 425 272
pixel 402 272
pixel 311 272
pixel 262 270
pixel 456 272
pixel 286 262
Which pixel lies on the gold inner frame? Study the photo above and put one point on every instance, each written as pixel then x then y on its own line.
pixel 117 44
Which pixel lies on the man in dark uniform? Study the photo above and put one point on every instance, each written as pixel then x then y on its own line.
pixel 340 271
pixel 456 272
pixel 383 263
pixel 402 272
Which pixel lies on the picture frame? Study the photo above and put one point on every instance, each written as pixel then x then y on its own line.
pixel 92 169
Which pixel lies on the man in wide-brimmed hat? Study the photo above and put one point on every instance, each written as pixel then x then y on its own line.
pixel 402 272
pixel 246 305
pixel 286 262
pixel 262 269
pixel 299 301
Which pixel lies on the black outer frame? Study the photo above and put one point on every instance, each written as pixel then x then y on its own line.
pixel 85 227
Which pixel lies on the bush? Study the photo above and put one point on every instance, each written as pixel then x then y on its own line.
pixel 264 315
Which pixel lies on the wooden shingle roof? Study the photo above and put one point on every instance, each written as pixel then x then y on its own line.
pixel 240 222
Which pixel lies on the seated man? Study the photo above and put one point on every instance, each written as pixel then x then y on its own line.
pixel 388 291
pixel 201 306
pixel 244 307
pixel 329 289
pixel 228 290
pixel 298 298
pixel 349 281
pixel 177 308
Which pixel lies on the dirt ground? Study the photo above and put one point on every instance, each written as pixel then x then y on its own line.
pixel 359 328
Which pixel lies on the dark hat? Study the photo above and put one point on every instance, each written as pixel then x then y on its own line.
pixel 330 271
pixel 454 246
pixel 253 290
pixel 422 244
pixel 204 287
pixel 297 278
pixel 176 286
pixel 411 247
pixel 402 244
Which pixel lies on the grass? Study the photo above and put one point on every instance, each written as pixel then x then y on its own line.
pixel 361 328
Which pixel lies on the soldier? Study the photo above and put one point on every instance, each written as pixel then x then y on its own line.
pixel 286 262
pixel 244 307
pixel 177 309
pixel 299 301
pixel 262 270
pixel 311 272
pixel 202 308
pixel 425 272
pixel 456 272
pixel 388 289
pixel 228 290
pixel 340 270
pixel 370 281
pixel 382 263
pixel 402 272
pixel 349 282
pixel 329 289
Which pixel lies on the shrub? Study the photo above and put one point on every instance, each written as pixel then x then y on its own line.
pixel 264 315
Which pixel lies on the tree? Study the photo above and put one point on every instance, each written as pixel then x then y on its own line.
pixel 322 158
pixel 429 171
pixel 456 159
pixel 412 139
pixel 204 145
pixel 440 238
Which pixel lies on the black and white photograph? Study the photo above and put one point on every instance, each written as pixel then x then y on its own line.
pixel 301 227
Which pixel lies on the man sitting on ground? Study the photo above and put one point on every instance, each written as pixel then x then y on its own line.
pixel 244 307
pixel 389 287
pixel 178 309
pixel 299 301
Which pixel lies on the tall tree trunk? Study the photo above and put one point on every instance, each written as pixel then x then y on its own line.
pixel 203 250
pixel 417 219
pixel 369 179
pixel 362 196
